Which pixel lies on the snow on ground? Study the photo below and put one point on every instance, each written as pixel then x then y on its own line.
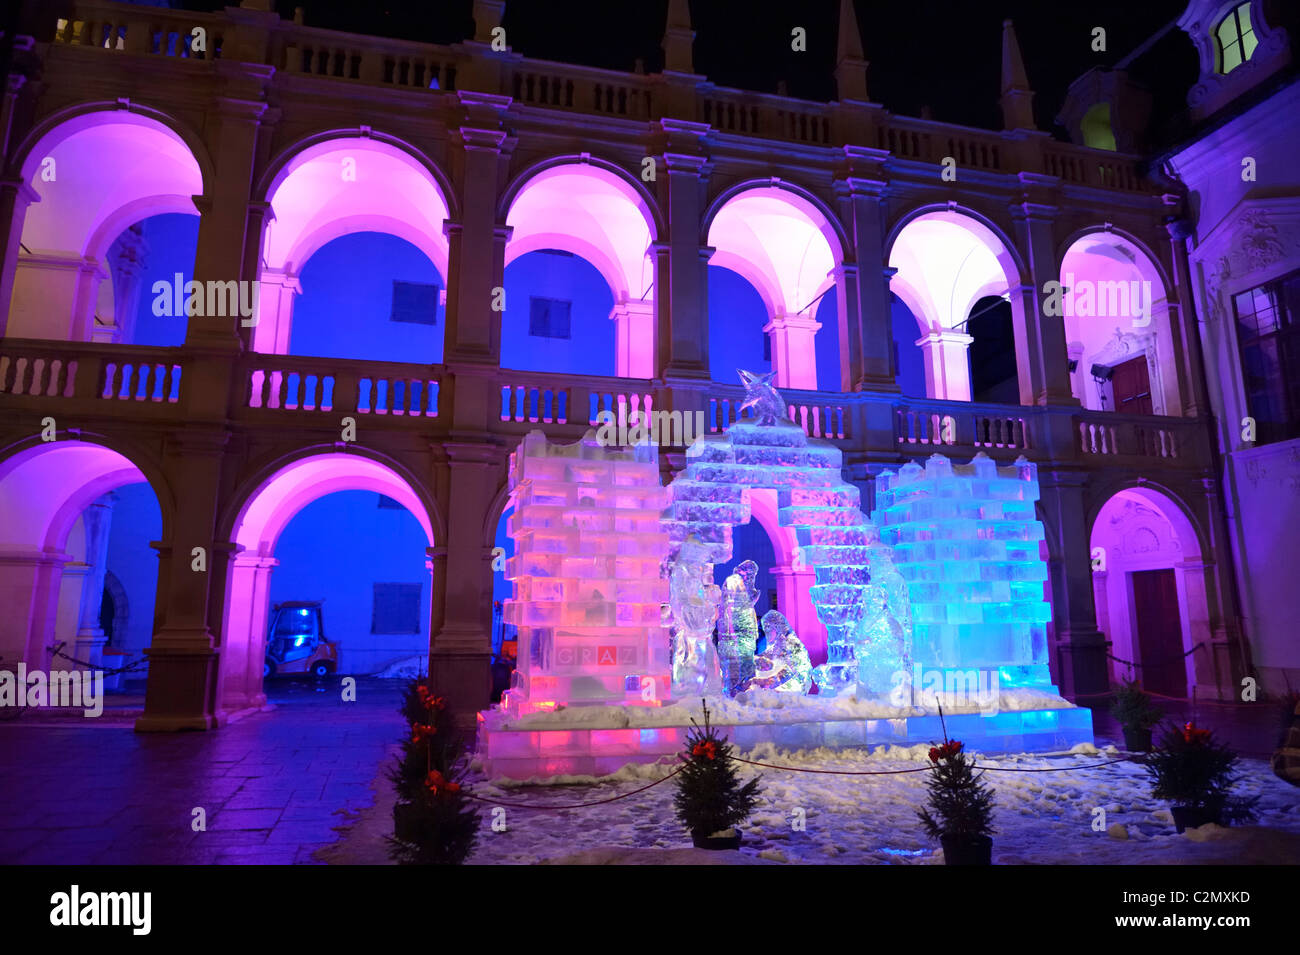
pixel 1041 817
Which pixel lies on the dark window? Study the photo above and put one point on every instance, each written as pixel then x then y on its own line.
pixel 548 317
pixel 415 302
pixel 386 503
pixel 396 608
pixel 1268 337
pixel 767 347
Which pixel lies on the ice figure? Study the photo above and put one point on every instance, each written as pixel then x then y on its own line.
pixel 738 627
pixel 784 665
pixel 762 398
pixel 880 645
pixel 694 599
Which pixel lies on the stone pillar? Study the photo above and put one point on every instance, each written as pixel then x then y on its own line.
pixel 1080 651
pixel 224 219
pixel 243 631
pixel 277 292
pixel 1231 657
pixel 866 332
pixel 1183 326
pixel 793 354
pixel 1041 354
pixel 182 691
pixel 29 592
pixel 68 615
pixel 947 364
pixel 90 638
pixel 634 338
pixel 15 196
pixel 681 276
pixel 460 655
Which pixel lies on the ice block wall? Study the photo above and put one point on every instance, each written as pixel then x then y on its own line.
pixel 966 540
pixel 712 495
pixel 586 575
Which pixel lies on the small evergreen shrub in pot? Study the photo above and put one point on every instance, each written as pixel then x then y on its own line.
pixel 959 810
pixel 1196 773
pixel 1137 716
pixel 710 800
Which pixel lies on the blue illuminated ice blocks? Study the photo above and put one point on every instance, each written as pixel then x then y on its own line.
pixel 966 540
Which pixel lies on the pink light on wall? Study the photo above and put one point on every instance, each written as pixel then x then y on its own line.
pixel 785 247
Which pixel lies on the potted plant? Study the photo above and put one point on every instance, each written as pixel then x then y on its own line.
pixel 960 807
pixel 433 822
pixel 1194 772
pixel 1137 716
pixel 710 800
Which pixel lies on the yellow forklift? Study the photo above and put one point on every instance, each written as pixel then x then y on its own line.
pixel 296 641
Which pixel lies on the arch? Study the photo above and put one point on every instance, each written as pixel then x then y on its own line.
pixel 44 488
pixel 594 210
pixel 945 260
pixel 1150 567
pixel 786 244
pixel 338 183
pixel 261 511
pixel 645 200
pixel 93 172
pixel 794 578
pixel 1116 299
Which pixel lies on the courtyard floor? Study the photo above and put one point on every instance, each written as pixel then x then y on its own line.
pixel 304 783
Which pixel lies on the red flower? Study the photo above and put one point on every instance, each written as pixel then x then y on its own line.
pixel 707 749
pixel 437 784
pixel 421 731
pixel 430 701
pixel 1195 736
pixel 948 750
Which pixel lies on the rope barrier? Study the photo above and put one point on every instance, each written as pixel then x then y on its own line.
pixel 1163 663
pixel 576 805
pixel 926 769
pixel 57 650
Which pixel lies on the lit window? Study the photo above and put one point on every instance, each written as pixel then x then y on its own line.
pixel 1236 39
pixel 1096 127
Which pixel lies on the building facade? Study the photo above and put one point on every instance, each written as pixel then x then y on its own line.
pixel 873 249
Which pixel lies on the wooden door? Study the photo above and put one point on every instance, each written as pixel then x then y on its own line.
pixel 1131 386
pixel 1159 637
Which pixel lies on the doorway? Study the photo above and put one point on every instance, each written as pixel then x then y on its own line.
pixel 1159 632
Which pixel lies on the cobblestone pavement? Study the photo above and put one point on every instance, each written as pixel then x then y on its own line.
pixel 274 785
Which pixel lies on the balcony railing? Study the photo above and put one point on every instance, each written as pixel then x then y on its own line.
pixel 298 50
pixel 138 382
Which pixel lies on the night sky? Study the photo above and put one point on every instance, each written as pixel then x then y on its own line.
pixel 944 54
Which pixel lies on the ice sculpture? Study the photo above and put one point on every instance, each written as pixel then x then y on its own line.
pixel 738 627
pixel 694 599
pixel 712 495
pixel 881 645
pixel 588 593
pixel 784 665
pixel 966 540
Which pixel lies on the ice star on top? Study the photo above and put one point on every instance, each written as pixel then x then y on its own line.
pixel 765 400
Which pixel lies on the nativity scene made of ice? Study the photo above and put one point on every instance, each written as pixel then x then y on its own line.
pixel 935 600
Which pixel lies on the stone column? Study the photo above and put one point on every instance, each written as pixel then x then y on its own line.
pixel 1231 656
pixel 127 259
pixel 182 691
pixel 866 332
pixel 793 355
pixel 15 196
pixel 1040 338
pixel 634 338
pixel 460 656
pixel 277 292
pixel 243 632
pixel 1182 324
pixel 54 297
pixel 90 637
pixel 682 287
pixel 1082 665
pixel 947 364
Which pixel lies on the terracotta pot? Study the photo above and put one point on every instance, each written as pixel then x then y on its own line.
pixel 1189 817
pixel 1137 740
pixel 967 850
pixel 704 841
